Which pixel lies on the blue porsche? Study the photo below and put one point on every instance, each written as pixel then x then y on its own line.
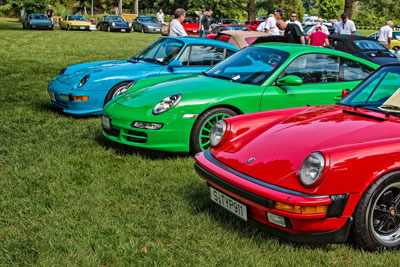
pixel 86 88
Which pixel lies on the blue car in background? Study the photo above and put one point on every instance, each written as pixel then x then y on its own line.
pixel 37 21
pixel 86 88
pixel 114 23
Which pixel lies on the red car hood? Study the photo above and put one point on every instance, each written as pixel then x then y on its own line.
pixel 280 149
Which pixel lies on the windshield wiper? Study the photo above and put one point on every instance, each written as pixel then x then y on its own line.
pixel 205 74
pixel 152 60
pixel 391 107
pixel 222 78
pixel 134 60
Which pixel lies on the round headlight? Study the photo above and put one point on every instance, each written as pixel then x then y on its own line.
pixel 83 81
pixel 167 103
pixel 62 72
pixel 217 133
pixel 113 24
pixel 129 24
pixel 312 168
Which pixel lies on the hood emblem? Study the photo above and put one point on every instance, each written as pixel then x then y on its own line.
pixel 251 160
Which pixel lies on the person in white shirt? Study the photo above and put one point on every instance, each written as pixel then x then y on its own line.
pixel 314 28
pixel 261 27
pixel 160 16
pixel 270 23
pixel 175 26
pixel 345 26
pixel 385 34
pixel 292 19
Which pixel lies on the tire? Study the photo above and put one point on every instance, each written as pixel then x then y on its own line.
pixel 200 136
pixel 98 28
pixel 377 215
pixel 142 29
pixel 108 28
pixel 68 28
pixel 115 90
pixel 128 31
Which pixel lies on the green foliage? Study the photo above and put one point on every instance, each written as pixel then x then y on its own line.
pixel 377 13
pixel 329 9
pixel 289 6
pixel 34 6
pixel 310 6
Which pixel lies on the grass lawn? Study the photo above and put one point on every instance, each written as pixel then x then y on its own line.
pixel 70 197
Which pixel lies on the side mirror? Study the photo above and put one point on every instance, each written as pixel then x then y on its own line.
pixel 174 64
pixel 345 93
pixel 290 80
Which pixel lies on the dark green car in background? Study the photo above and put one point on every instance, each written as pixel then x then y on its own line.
pixel 176 113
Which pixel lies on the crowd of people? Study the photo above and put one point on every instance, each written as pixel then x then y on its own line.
pixel 275 25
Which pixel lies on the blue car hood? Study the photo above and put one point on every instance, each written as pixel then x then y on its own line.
pixel 40 22
pixel 109 70
pixel 152 24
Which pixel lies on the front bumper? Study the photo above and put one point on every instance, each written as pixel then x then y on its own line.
pixel 120 28
pixel 41 26
pixel 83 27
pixel 174 136
pixel 152 30
pixel 94 106
pixel 260 198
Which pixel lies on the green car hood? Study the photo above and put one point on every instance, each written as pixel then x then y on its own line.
pixel 193 87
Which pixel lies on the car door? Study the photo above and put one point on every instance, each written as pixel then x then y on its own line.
pixel 323 81
pixel 136 24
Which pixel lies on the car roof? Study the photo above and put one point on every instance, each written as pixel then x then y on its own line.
pixel 202 41
pixel 297 49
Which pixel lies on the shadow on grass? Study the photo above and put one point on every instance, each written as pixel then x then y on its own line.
pixel 126 150
pixel 46 107
pixel 198 196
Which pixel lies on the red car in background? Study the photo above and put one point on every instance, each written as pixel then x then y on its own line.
pixel 191 26
pixel 254 24
pixel 227 27
pixel 315 174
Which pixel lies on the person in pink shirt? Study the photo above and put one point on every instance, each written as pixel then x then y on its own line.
pixel 318 38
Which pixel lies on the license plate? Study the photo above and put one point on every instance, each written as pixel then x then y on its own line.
pixel 92 27
pixel 52 96
pixel 229 203
pixel 82 28
pixel 122 30
pixel 106 122
pixel 194 31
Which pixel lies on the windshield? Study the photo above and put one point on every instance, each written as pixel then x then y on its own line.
pixel 75 17
pixel 376 90
pixel 189 21
pixel 148 19
pixel 229 21
pixel 236 27
pixel 396 36
pixel 38 16
pixel 368 45
pixel 115 18
pixel 161 51
pixel 252 65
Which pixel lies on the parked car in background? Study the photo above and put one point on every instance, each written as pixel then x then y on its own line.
pixel 146 24
pixel 308 28
pixel 394 43
pixel 37 21
pixel 227 27
pixel 240 39
pixel 223 21
pixel 76 22
pixel 254 24
pixel 114 23
pixel 177 113
pixel 86 88
pixel 362 47
pixel 315 174
pixel 191 26
pixel 310 21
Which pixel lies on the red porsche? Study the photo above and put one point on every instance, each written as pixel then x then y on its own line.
pixel 254 24
pixel 315 174
pixel 191 26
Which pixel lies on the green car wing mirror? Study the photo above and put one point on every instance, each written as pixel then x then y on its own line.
pixel 290 80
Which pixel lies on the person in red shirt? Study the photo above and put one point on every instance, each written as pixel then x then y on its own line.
pixel 318 38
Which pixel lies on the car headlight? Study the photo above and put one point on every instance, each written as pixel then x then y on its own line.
pixel 62 72
pixel 217 133
pixel 311 169
pixel 83 81
pixel 167 103
pixel 130 24
pixel 113 24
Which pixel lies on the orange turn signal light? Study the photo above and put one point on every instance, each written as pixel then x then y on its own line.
pixel 301 209
pixel 81 98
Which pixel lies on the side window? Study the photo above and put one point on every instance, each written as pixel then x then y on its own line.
pixel 184 58
pixel 218 29
pixel 315 68
pixel 351 70
pixel 203 55
pixel 229 53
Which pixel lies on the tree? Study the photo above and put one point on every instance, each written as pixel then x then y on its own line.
pixel 34 6
pixel 348 7
pixel 250 8
pixel 289 6
pixel 329 9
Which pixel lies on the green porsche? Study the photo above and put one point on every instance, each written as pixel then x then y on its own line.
pixel 176 113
